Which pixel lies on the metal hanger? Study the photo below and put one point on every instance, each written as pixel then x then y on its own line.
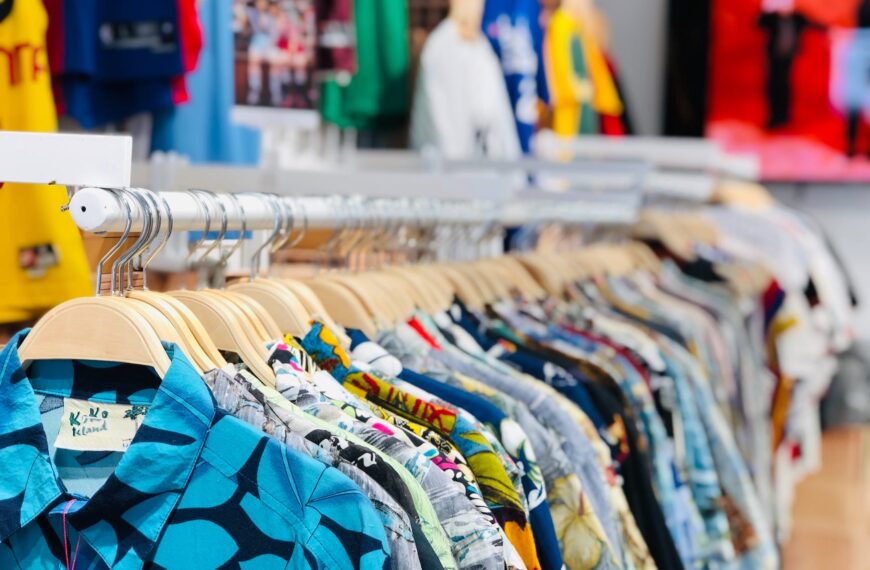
pixel 228 327
pixel 284 308
pixel 342 303
pixel 198 344
pixel 305 306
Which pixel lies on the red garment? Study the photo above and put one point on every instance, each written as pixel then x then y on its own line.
pixel 336 38
pixel 415 324
pixel 191 38
pixel 614 125
pixel 54 38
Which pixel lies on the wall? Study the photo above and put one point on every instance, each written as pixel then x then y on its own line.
pixel 638 45
pixel 844 213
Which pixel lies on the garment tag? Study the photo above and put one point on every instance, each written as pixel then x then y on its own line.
pixel 92 426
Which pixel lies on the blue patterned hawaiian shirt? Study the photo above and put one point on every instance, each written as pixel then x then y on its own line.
pixel 195 488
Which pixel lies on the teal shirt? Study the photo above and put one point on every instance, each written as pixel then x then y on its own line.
pixel 196 488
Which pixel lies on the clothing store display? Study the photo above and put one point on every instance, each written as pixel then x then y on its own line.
pixel 783 32
pixel 525 342
pixel 42 259
pixel 461 105
pixel 628 405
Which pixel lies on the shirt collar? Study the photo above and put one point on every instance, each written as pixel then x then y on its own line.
pixel 125 517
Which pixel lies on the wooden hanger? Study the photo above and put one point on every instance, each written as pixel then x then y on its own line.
pixel 98 328
pixel 199 347
pixel 289 315
pixel 379 312
pixel 488 294
pixel 116 332
pixel 465 289
pixel 544 273
pixel 404 296
pixel 481 272
pixel 423 291
pixel 161 324
pixel 194 341
pixel 265 326
pixel 232 328
pixel 315 309
pixel 344 306
pixel 229 330
pixel 527 285
pixel 441 287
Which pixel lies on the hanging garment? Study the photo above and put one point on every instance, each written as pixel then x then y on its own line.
pixel 513 28
pixel 377 93
pixel 120 58
pixel 461 106
pixel 305 424
pixel 495 483
pixel 508 433
pixel 194 488
pixel 201 129
pixel 580 83
pixel 336 36
pixel 395 506
pixel 578 510
pixel 475 540
pixel 42 259
pixel 191 46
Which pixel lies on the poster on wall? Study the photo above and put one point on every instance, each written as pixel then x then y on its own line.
pixel 790 81
pixel 275 43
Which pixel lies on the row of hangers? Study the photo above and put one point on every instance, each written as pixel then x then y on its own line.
pixel 129 323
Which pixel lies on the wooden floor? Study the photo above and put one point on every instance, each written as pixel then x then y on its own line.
pixel 832 508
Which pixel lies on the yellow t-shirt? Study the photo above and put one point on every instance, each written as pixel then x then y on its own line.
pixel 42 260
pixel 568 91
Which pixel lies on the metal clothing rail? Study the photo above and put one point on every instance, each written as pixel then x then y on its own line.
pixel 100 210
pixel 463 194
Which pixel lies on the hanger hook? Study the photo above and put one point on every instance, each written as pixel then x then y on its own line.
pixel 304 229
pixel 132 199
pixel 114 249
pixel 201 205
pixel 328 248
pixel 157 214
pixel 126 260
pixel 244 219
pixel 287 223
pixel 213 199
pixel 164 205
pixel 268 200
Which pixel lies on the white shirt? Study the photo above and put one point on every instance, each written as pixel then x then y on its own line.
pixel 461 104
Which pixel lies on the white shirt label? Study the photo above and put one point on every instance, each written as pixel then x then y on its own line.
pixel 93 426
